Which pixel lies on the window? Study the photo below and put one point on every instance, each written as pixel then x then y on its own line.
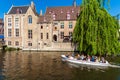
pixel 70 24
pixel 16 43
pixel 47 26
pixel 62 25
pixel 41 26
pixel 9 42
pixel 9 22
pixel 9 32
pixel 16 22
pixel 53 16
pixel 41 35
pixel 55 23
pixel 29 34
pixel 70 33
pixel 29 44
pixel 55 28
pixel 68 16
pixel 61 11
pixel 72 10
pixel 44 19
pixel 61 35
pixel 30 19
pixel 47 36
pixel 17 32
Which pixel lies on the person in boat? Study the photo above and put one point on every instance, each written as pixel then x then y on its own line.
pixel 78 57
pixel 71 57
pixel 103 60
pixel 85 58
pixel 93 59
pixel 88 58
pixel 96 59
pixel 82 57
pixel 69 54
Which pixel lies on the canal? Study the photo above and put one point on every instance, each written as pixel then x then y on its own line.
pixel 48 66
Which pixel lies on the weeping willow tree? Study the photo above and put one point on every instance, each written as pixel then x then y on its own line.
pixel 96 30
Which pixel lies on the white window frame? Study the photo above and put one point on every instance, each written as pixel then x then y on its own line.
pixel 9 22
pixel 17 24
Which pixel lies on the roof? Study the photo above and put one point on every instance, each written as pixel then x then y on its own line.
pixel 18 10
pixel 1 20
pixel 44 19
pixel 60 13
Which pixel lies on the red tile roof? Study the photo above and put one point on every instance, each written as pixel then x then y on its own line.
pixel 60 13
pixel 1 21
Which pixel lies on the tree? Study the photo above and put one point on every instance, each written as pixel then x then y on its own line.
pixel 96 30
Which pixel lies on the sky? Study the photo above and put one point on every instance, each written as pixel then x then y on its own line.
pixel 5 5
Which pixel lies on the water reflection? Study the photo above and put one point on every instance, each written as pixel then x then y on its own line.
pixel 48 66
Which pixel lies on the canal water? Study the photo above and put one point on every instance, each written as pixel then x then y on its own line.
pixel 48 66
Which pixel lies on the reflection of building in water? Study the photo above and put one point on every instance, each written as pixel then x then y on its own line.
pixel 32 66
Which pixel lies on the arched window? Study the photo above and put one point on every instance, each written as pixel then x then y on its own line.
pixel 30 19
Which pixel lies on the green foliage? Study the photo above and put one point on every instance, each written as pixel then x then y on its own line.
pixel 96 30
pixel 11 49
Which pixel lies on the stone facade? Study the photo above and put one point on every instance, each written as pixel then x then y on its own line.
pixel 25 29
pixel 17 24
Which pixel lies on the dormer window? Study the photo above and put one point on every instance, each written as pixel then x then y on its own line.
pixel 17 11
pixel 72 10
pixel 54 16
pixel 61 11
pixel 30 19
pixel 49 12
pixel 68 16
pixel 44 19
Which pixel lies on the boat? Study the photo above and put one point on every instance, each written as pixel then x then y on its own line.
pixel 84 62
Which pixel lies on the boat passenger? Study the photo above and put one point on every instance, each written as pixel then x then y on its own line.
pixel 71 57
pixel 93 59
pixel 88 58
pixel 96 59
pixel 103 60
pixel 82 57
pixel 78 57
pixel 68 55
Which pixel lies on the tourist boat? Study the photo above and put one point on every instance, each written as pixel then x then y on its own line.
pixel 84 62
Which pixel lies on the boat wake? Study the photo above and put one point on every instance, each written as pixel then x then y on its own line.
pixel 114 66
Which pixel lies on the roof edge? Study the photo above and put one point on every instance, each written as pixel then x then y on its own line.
pixel 10 9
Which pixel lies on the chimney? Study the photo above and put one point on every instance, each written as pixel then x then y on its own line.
pixel 32 5
pixel 40 12
pixel 74 3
